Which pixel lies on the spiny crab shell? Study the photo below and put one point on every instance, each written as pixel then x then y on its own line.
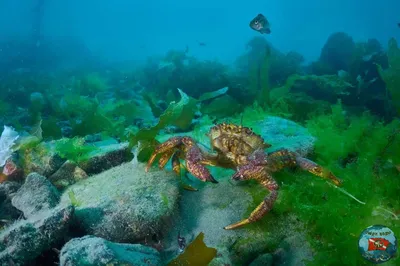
pixel 235 142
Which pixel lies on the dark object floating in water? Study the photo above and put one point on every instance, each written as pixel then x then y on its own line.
pixel 260 24
pixel 398 25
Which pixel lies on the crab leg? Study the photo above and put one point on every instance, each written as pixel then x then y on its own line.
pixel 165 158
pixel 285 158
pixel 170 144
pixel 258 173
pixel 193 165
pixel 176 167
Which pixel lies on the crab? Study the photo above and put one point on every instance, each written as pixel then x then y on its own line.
pixel 238 148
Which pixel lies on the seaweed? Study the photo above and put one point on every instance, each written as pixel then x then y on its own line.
pixel 213 94
pixel 196 254
pixel 74 201
pixel 74 149
pixel 179 114
pixel 391 76
pixel 172 114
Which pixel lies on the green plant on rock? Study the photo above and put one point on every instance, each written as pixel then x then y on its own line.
pixel 74 149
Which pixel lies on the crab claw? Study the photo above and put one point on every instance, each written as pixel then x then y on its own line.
pixel 194 166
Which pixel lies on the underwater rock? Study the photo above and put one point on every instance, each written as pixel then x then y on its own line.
pixel 66 128
pixel 25 240
pixel 263 260
pixel 37 194
pixel 43 159
pixel 90 250
pixel 124 203
pixel 7 211
pixel 338 51
pixel 284 133
pixel 106 156
pixel 93 138
pixel 69 173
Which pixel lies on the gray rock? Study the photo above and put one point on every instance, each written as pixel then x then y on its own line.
pixel 106 157
pixel 8 212
pixel 43 159
pixel 25 240
pixel 263 260
pixel 90 250
pixel 124 203
pixel 283 133
pixel 35 195
pixel 68 174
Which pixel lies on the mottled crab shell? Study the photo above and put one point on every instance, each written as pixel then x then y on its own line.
pixel 235 142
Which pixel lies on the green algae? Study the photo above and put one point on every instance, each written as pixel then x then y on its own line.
pixel 391 76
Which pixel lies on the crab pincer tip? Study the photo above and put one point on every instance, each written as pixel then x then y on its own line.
pixel 212 179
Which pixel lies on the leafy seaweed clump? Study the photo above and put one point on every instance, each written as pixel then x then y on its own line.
pixel 363 152
pixel 350 148
pixel 74 149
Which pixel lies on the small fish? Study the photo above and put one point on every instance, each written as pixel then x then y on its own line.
pixel 260 24
pixel 398 25
pixel 201 43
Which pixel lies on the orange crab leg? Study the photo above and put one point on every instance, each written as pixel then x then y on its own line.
pixel 170 144
pixel 176 167
pixel 165 158
pixel 258 173
pixel 285 158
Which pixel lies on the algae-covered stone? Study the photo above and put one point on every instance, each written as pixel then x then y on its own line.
pixel 107 155
pixel 284 133
pixel 35 195
pixel 43 159
pixel 7 211
pixel 25 240
pixel 68 174
pixel 124 203
pixel 90 250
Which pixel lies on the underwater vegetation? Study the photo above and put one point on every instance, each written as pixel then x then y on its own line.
pixel 74 133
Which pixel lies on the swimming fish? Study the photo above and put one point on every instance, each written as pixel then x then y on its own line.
pixel 260 24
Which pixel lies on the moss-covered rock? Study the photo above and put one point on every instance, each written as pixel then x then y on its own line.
pixel 25 240
pixel 90 250
pixel 124 203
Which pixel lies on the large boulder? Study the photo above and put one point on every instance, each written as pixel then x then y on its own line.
pixel 124 203
pixel 338 52
pixel 90 250
pixel 22 242
pixel 35 195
